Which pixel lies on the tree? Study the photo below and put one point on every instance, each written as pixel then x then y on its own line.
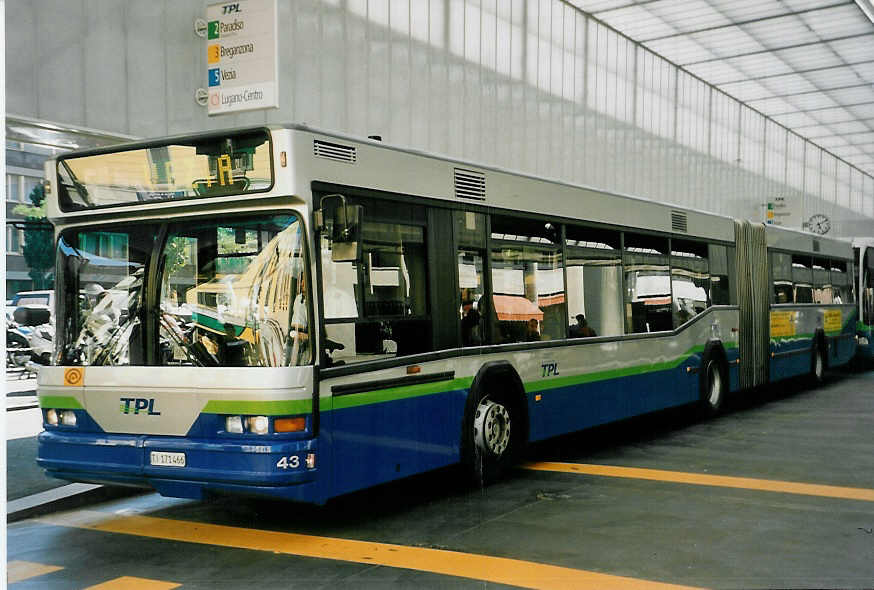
pixel 39 247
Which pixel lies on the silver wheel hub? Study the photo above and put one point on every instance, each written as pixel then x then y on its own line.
pixel 491 427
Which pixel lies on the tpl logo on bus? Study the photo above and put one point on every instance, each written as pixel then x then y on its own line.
pixel 550 369
pixel 231 8
pixel 136 405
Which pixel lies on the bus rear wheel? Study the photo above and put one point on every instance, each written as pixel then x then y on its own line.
pixel 818 364
pixel 713 386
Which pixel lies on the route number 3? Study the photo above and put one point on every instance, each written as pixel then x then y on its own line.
pixel 291 462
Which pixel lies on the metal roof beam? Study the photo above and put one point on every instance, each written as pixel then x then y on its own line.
pixel 797 72
pixel 751 21
pixel 817 91
pixel 776 49
pixel 840 106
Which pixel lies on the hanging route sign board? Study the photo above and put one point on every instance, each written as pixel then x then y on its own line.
pixel 242 56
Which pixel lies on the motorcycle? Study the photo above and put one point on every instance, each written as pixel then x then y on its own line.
pixel 33 322
pixel 17 345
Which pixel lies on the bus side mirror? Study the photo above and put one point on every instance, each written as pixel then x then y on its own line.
pixel 346 234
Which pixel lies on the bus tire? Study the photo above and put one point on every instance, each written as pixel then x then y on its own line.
pixel 494 429
pixel 713 382
pixel 818 360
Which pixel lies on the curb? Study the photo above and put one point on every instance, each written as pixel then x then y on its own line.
pixel 67 497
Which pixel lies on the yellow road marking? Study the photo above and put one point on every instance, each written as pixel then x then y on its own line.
pixel 23 570
pixel 700 479
pixel 499 570
pixel 133 583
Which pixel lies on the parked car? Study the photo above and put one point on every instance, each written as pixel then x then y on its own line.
pixel 46 297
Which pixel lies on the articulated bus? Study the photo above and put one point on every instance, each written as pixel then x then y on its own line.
pixel 863 254
pixel 286 312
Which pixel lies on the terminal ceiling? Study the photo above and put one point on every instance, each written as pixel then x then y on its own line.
pixel 806 64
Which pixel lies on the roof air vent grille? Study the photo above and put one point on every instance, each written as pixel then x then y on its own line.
pixel 470 185
pixel 334 151
pixel 679 223
pixel 816 246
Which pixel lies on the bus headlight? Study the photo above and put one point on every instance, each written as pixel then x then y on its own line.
pixel 258 424
pixel 863 341
pixel 234 424
pixel 68 418
pixel 52 417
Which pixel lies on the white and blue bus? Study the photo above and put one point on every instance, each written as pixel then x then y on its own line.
pixel 287 312
pixel 863 255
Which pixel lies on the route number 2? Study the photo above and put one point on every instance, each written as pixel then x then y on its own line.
pixel 291 462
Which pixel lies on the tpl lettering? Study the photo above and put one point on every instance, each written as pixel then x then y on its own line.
pixel 550 369
pixel 137 404
pixel 229 8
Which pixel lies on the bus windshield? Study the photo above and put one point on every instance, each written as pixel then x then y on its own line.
pixel 203 167
pixel 230 292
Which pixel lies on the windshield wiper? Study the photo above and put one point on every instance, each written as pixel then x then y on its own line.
pixel 80 188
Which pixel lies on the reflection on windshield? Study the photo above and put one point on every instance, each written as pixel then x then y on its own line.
pixel 101 287
pixel 232 293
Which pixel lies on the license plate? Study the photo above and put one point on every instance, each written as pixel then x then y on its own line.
pixel 167 459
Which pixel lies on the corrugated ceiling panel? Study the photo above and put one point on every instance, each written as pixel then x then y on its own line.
pixel 865 71
pixel 849 127
pixel 806 102
pixel 852 95
pixel 829 116
pixel 738 10
pixel 831 78
pixel 838 22
pixel 762 64
pixel 865 111
pixel 717 72
pixel 681 50
pixel 795 120
pixel 788 84
pixel 593 6
pixel 845 151
pixel 775 105
pixel 780 32
pixel 856 49
pixel 809 57
pixel 690 15
pixel 830 142
pixel 637 22
pixel 728 41
pixel 747 90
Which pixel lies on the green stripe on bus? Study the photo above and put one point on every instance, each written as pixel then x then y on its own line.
pixel 61 402
pixel 272 408
pixel 396 393
pixel 259 408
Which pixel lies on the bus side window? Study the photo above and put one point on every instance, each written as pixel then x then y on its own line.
pixel 802 279
pixel 840 281
pixel 690 280
pixel 377 307
pixel 822 285
pixel 781 273
pixel 720 258
pixel 594 282
pixel 647 284
pixel 527 280
pixel 470 236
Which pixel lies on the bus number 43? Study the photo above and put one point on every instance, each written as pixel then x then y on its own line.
pixel 290 462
